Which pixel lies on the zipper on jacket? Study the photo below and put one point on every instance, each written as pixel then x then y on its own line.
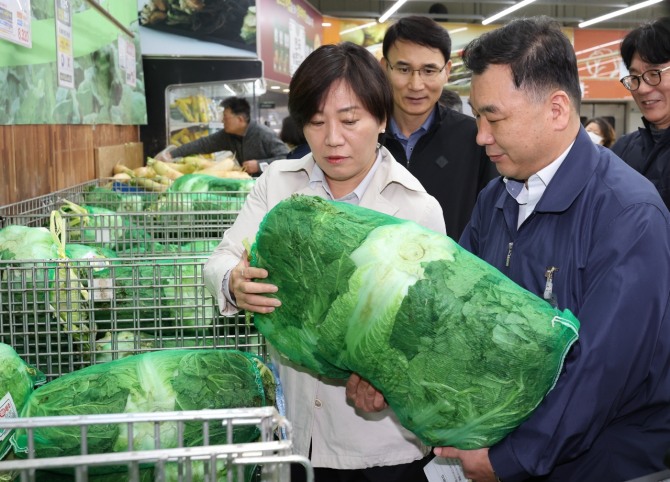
pixel 509 254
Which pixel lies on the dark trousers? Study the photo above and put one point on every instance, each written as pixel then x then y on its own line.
pixel 412 472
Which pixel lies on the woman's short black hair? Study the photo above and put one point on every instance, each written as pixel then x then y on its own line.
pixel 290 133
pixel 345 61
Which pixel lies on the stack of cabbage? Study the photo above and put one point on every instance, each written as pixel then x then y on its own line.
pixel 160 381
pixel 462 354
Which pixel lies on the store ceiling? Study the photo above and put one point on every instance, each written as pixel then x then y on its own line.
pixel 568 12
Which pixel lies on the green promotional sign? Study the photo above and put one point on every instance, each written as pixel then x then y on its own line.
pixel 102 94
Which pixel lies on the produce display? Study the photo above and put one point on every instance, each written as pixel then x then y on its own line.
pixel 159 176
pixel 99 283
pixel 461 353
pixel 160 381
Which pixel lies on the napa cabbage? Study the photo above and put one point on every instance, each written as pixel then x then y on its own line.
pixel 17 381
pixel 461 353
pixel 167 380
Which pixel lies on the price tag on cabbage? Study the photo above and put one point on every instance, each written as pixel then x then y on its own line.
pixel 7 410
pixel 444 470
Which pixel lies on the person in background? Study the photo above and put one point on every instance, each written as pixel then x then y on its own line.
pixel 451 99
pixel 436 143
pixel 254 145
pixel 340 98
pixel 577 226
pixel 600 131
pixel 646 54
pixel 294 138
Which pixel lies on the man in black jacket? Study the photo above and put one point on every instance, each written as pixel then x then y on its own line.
pixel 435 143
pixel 646 53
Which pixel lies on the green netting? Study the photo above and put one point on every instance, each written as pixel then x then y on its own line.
pixel 462 354
pixel 17 381
pixel 161 381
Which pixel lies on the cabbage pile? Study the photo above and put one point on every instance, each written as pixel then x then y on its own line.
pixel 461 353
pixel 160 381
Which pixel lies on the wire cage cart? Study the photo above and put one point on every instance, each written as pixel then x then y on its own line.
pixel 140 289
pixel 210 459
pixel 133 222
pixel 62 315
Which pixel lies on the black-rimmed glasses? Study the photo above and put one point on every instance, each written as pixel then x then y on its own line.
pixel 426 72
pixel 651 77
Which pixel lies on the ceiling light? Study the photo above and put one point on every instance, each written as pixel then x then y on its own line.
pixel 616 13
pixel 391 11
pixel 326 24
pixel 456 30
pixel 506 12
pixel 275 87
pixel 358 27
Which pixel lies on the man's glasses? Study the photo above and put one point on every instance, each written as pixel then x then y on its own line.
pixel 651 77
pixel 427 72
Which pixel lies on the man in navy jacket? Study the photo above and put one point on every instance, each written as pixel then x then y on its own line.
pixel 571 222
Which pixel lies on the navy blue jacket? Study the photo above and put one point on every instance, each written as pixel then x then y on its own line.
pixel 607 231
pixel 650 159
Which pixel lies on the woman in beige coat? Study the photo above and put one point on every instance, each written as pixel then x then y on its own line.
pixel 340 97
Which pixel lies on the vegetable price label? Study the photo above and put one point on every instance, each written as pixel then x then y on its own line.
pixel 7 410
pixel 15 22
pixel 64 44
pixel 444 470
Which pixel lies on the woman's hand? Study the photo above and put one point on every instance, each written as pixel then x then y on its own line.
pixel 363 395
pixel 250 295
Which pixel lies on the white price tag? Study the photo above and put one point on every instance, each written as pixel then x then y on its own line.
pixel 104 289
pixel 444 470
pixel 7 410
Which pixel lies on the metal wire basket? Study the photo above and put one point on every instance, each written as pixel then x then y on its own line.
pixel 62 315
pixel 267 459
pixel 133 223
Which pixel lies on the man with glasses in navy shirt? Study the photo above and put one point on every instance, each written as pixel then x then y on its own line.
pixel 435 143
pixel 646 54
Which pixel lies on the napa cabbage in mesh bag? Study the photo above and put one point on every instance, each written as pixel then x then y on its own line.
pixel 17 381
pixel 160 381
pixel 461 353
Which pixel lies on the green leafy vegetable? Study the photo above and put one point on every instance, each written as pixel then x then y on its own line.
pixel 17 381
pixel 462 354
pixel 168 380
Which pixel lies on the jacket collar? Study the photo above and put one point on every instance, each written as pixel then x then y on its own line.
pixel 388 172
pixel 570 179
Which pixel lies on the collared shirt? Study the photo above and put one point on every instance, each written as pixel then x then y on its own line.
pixel 408 143
pixel 354 197
pixel 528 194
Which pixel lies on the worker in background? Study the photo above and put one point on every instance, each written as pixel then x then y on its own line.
pixel 254 145
pixel 646 54
pixel 436 143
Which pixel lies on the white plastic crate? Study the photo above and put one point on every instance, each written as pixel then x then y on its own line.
pixel 64 315
pixel 265 460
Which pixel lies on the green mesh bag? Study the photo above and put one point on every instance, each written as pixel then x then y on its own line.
pixel 17 381
pixel 160 381
pixel 461 353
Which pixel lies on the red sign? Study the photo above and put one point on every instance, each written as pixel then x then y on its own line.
pixel 600 65
pixel 288 31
